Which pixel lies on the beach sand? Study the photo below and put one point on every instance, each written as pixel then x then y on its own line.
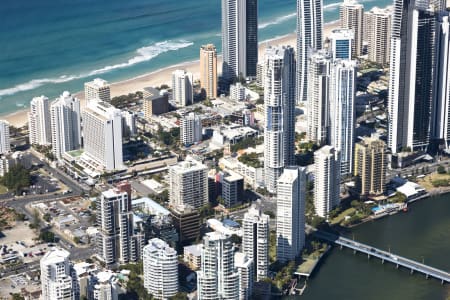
pixel 164 76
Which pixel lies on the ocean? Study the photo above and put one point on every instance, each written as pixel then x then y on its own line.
pixel 49 46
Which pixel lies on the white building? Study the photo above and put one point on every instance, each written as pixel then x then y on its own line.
pixel 291 199
pixel 102 131
pixel 237 92
pixel 188 184
pixel 318 97
pixel 182 90
pixel 105 287
pixel 5 145
pixel 309 36
pixel 98 89
pixel 377 27
pixel 160 269
pixel 255 240
pixel 129 128
pixel 218 277
pixel 244 266
pixel 65 124
pixel 58 277
pixel 341 43
pixel 39 121
pixel 279 106
pixel 326 180
pixel 352 17
pixel 342 113
pixel 190 129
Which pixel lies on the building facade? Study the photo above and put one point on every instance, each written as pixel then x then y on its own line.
pixel 155 102
pixel 39 121
pixel 98 89
pixel 341 43
pixel 190 129
pixel 377 27
pixel 208 70
pixel 182 89
pixel 351 16
pixel 5 144
pixel 244 266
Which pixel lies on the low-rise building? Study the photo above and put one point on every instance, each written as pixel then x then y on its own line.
pixel 155 102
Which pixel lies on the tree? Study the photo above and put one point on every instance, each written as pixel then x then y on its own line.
pixel 441 170
pixel 36 221
pixel 270 214
pixel 16 296
pixel 180 296
pixel 16 179
pixel 47 236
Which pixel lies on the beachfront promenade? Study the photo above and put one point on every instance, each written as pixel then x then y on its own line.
pixel 397 260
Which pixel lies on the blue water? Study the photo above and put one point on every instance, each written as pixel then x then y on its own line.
pixel 49 46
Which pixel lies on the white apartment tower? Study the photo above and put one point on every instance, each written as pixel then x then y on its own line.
pixel 102 130
pixel 98 89
pixel 218 278
pixel 160 269
pixel 341 43
pixel 104 286
pixel 279 110
pixel 190 129
pixel 342 114
pixel 291 199
pixel 352 17
pixel 182 90
pixel 309 37
pixel 58 277
pixel 377 27
pixel 326 180
pixel 188 184
pixel 318 97
pixel 255 241
pixel 244 266
pixel 65 124
pixel 39 121
pixel 5 145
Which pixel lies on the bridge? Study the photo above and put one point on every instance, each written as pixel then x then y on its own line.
pixel 397 260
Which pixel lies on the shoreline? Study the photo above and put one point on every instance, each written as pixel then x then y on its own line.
pixel 161 76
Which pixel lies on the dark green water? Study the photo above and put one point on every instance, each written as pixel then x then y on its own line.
pixel 421 234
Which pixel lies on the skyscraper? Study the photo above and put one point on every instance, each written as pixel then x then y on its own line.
pixel 326 180
pixel 244 266
pixel 239 38
pixel 279 106
pixel 5 145
pixel 97 89
pixel 39 121
pixel 342 41
pixel 58 277
pixel 411 80
pixel 352 17
pixel 370 166
pixel 208 70
pixel 160 269
pixel 218 277
pixel 255 241
pixel 65 124
pixel 291 199
pixel 318 97
pixel 309 36
pixel 188 184
pixel 182 90
pixel 377 30
pixel 342 114
pixel 102 132
pixel 190 129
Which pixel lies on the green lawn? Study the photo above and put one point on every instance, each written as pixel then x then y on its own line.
pixel 342 216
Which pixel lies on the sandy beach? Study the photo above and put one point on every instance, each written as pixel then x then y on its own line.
pixel 163 76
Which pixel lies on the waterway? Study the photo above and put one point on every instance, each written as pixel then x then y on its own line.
pixel 422 234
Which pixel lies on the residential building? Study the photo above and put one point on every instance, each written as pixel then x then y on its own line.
pixel 65 124
pixel 218 278
pixel 182 90
pixel 104 286
pixel 255 241
pixel 208 70
pixel 98 89
pixel 102 136
pixel 129 128
pixel 326 180
pixel 187 222
pixel 352 17
pixel 370 167
pixel 309 36
pixel 291 199
pixel 342 113
pixel 318 97
pixel 279 105
pixel 191 129
pixel 244 266
pixel 193 256
pixel 232 189
pixel 188 184
pixel 237 92
pixel 5 144
pixel 160 269
pixel 58 277
pixel 377 27
pixel 39 122
pixel 341 42
pixel 155 102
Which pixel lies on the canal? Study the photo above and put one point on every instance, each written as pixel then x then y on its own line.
pixel 422 234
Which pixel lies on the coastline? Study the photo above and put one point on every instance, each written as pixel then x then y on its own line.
pixel 163 76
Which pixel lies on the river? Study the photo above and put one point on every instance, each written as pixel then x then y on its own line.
pixel 422 234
